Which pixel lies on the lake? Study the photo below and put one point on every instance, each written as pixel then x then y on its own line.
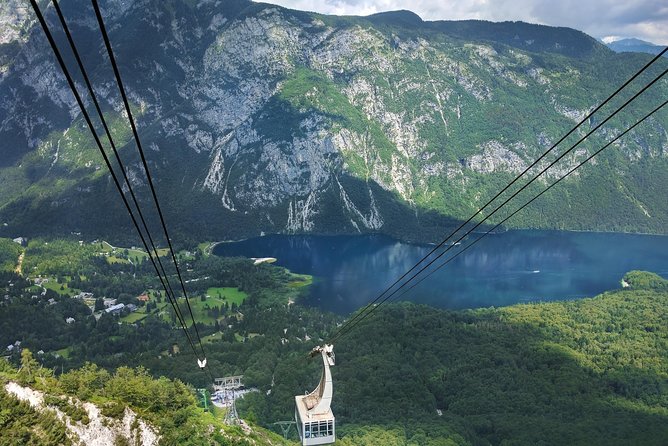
pixel 502 269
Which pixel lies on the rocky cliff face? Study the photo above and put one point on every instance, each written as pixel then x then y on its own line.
pixel 98 429
pixel 265 119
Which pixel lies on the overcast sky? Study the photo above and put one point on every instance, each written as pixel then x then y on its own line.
pixel 610 19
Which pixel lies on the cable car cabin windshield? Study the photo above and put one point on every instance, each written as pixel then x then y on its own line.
pixel 313 414
pixel 318 432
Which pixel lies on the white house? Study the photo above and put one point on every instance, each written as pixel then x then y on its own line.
pixel 115 308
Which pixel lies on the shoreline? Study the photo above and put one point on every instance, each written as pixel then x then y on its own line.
pixel 209 249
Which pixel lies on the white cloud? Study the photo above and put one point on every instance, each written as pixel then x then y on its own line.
pixel 644 19
pixel 610 39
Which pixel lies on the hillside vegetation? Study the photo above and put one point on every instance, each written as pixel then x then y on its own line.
pixel 586 371
pixel 591 372
pixel 166 410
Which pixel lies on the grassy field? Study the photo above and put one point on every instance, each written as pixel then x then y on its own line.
pixel 114 259
pixel 134 317
pixel 137 255
pixel 300 280
pixel 205 247
pixel 219 336
pixel 200 310
pixel 55 286
pixel 212 337
pixel 216 298
pixel 105 247
pixel 64 352
pixel 141 254
pixel 227 295
pixel 116 254
pixel 141 314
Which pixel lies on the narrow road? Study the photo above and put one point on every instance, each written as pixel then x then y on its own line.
pixel 19 265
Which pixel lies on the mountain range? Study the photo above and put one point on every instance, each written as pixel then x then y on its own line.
pixel 257 119
pixel 635 45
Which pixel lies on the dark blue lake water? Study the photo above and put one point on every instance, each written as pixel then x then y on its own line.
pixel 502 269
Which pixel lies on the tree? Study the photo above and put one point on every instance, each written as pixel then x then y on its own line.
pixel 126 298
pixel 29 367
pixel 99 304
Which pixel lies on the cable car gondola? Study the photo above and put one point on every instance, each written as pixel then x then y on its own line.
pixel 313 414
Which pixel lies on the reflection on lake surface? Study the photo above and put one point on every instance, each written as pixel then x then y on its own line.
pixel 502 269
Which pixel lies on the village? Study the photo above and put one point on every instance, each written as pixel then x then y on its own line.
pixel 45 276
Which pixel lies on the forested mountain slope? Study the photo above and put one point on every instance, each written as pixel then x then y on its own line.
pixel 93 406
pixel 588 371
pixel 257 118
pixel 591 371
